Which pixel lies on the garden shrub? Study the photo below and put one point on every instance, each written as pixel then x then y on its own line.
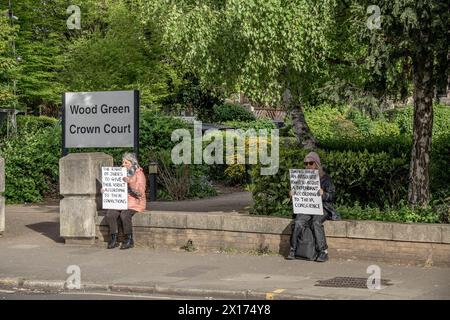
pixel 30 124
pixel 231 112
pixel 253 124
pixel 440 166
pixel 31 164
pixel 398 213
pixel 403 118
pixel 368 178
pixel 237 174
pixel 182 181
pixel 156 132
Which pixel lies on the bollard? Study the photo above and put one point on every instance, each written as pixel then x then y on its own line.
pixel 152 183
pixel 80 183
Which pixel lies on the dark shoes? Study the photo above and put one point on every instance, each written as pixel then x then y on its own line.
pixel 291 255
pixel 128 243
pixel 113 241
pixel 322 257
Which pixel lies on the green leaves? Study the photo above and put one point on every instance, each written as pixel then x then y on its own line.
pixel 8 64
pixel 31 161
pixel 117 54
pixel 368 178
pixel 246 44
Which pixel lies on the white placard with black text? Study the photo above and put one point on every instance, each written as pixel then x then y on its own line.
pixel 115 192
pixel 305 187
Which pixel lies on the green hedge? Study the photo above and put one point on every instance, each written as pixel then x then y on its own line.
pixel 254 124
pixel 331 122
pixel 403 117
pixel 231 112
pixel 369 179
pixel 29 125
pixel 31 164
pixel 399 213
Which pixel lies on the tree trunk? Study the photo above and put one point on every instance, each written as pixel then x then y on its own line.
pixel 304 135
pixel 419 178
pixel 301 129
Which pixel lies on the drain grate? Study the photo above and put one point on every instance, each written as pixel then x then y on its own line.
pixel 348 282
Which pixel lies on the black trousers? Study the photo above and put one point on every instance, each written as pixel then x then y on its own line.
pixel 316 222
pixel 112 216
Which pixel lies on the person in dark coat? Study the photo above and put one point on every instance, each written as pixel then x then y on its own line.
pixel 327 191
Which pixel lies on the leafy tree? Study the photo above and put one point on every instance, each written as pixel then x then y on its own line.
pixel 40 43
pixel 115 52
pixel 413 35
pixel 8 64
pixel 263 48
pixel 190 93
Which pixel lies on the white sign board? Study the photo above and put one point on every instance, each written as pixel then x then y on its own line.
pixel 305 187
pixel 100 119
pixel 115 191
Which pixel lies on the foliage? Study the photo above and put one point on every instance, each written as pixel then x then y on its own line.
pixel 8 65
pixel 201 186
pixel 189 246
pixel 181 181
pixel 400 213
pixel 256 124
pixel 32 156
pixel 236 174
pixel 40 43
pixel 103 49
pixel 368 178
pixel 403 117
pixel 29 125
pixel 439 167
pixel 156 132
pixel 190 93
pixel 246 45
pixel 174 178
pixel 115 51
pixel 31 165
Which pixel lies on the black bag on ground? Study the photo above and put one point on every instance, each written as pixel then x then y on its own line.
pixel 306 245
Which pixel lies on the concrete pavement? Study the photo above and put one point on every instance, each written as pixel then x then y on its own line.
pixel 32 255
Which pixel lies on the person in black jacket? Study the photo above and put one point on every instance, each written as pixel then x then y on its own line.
pixel 327 191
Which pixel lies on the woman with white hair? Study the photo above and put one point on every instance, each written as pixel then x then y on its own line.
pixel 327 192
pixel 136 203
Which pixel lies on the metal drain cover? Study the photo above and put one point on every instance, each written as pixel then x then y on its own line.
pixel 348 282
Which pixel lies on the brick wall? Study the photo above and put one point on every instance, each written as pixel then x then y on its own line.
pixel 418 244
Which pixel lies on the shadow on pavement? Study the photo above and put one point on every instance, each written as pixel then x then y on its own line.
pixel 48 229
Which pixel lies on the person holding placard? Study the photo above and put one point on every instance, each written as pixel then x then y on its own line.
pixel 327 192
pixel 137 201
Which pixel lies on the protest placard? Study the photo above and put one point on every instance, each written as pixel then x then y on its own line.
pixel 115 193
pixel 305 187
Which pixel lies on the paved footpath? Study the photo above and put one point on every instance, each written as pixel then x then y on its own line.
pixel 32 255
